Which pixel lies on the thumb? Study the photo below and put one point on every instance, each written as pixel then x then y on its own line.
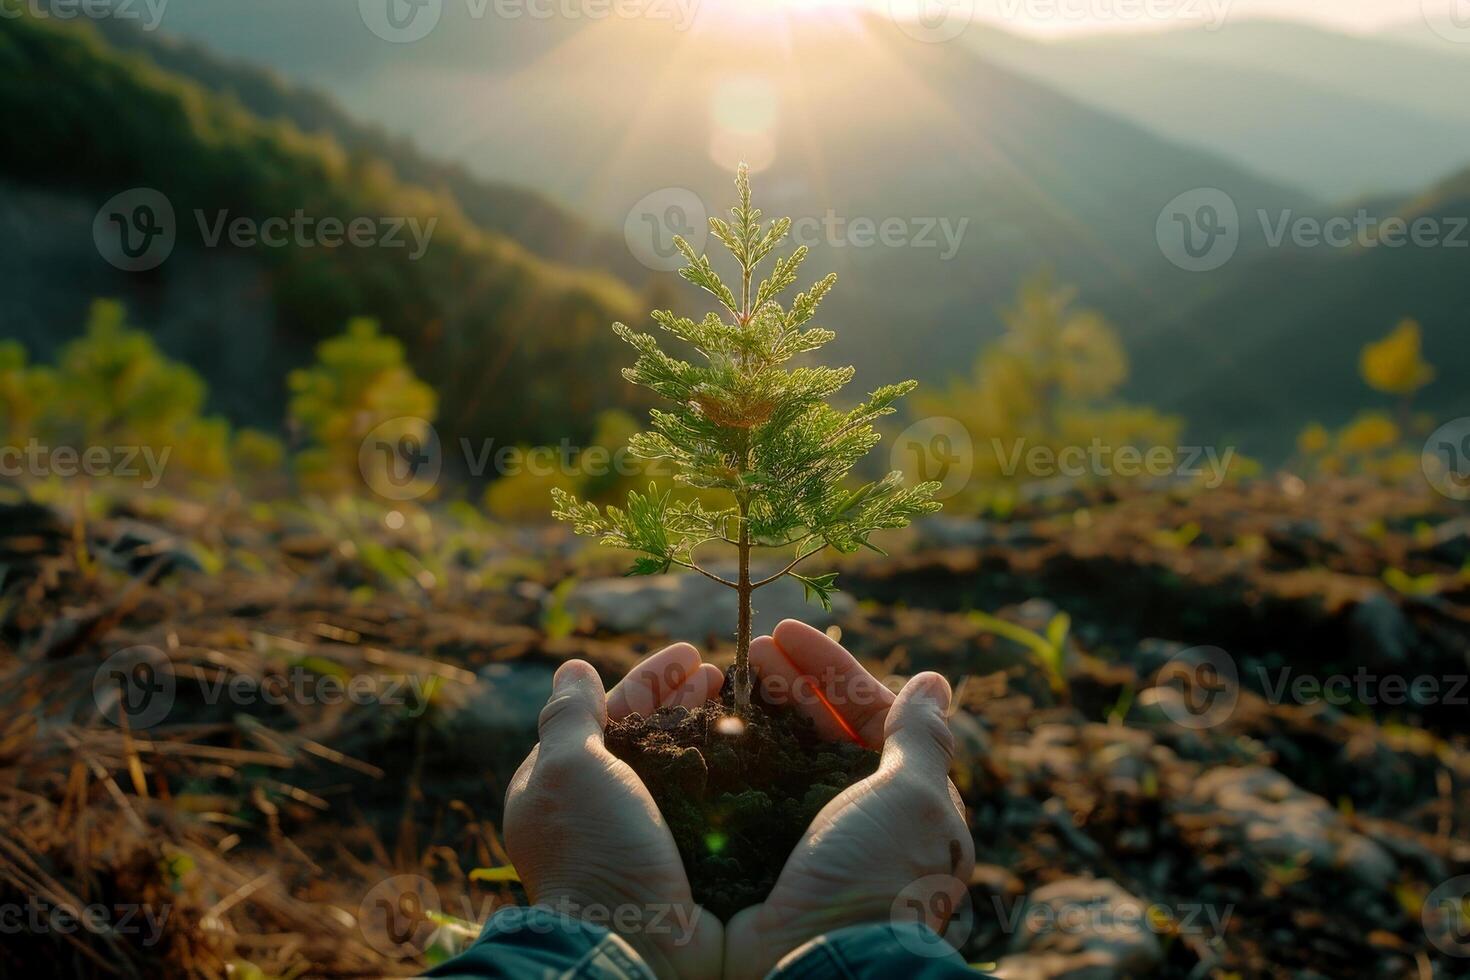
pixel 577 710
pixel 916 735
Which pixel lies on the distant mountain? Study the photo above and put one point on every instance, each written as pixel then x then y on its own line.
pixel 1275 340
pixel 1417 31
pixel 1347 116
pixel 1386 70
pixel 323 40
pixel 843 114
pixel 529 218
pixel 494 328
pixel 852 125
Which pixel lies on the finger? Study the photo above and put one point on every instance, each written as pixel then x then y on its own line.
pixel 804 666
pixel 703 686
pixel 916 735
pixel 577 711
pixel 654 682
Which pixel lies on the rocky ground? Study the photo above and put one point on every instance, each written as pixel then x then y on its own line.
pixel 1214 734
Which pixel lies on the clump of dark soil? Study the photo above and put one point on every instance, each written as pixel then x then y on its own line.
pixel 737 799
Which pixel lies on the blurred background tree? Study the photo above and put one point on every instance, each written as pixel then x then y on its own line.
pixel 24 393
pixel 603 471
pixel 113 388
pixel 1377 443
pixel 359 383
pixel 1048 381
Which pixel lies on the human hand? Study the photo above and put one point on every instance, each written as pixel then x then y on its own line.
pixel 584 833
pixel 908 812
pixel 805 667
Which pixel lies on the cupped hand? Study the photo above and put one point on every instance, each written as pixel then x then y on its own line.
pixel 804 667
pixel 898 839
pixel 584 833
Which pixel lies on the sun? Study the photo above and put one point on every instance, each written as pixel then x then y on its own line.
pixel 800 6
pixel 775 8
pixel 766 15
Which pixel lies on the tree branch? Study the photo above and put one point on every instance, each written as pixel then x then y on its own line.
pixel 794 562
pixel 707 574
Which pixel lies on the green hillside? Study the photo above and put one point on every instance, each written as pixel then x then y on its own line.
pixel 1275 339
pixel 490 325
pixel 532 220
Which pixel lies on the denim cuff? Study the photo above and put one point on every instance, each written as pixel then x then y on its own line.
pixel 876 950
pixel 541 943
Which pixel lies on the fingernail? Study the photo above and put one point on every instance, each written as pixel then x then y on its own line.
pixel 934 687
pixel 565 677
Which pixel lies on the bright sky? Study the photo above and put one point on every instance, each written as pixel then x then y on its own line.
pixel 1073 16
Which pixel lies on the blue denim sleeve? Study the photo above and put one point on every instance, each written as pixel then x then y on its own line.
pixel 875 952
pixel 539 944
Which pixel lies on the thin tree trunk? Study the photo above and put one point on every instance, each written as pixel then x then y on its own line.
pixel 742 636
pixel 742 639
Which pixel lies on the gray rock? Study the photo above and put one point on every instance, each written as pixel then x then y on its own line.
pixel 498 719
pixel 134 547
pixel 1050 753
pixel 1084 929
pixel 1450 544
pixel 939 531
pixel 1381 632
pixel 1277 822
pixel 1122 759
pixel 691 607
pixel 1150 654
pixel 1036 613
pixel 1454 548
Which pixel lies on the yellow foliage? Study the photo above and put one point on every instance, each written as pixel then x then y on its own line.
pixel 358 383
pixel 1072 352
pixel 114 393
pixel 1368 433
pixel 1373 444
pixel 1397 466
pixel 526 494
pixel 610 471
pixel 201 447
pixel 24 393
pixel 1042 387
pixel 1314 439
pixel 1394 364
pixel 1243 467
pixel 257 451
pixel 603 471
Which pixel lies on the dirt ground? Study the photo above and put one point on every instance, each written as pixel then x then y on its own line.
pixel 1222 735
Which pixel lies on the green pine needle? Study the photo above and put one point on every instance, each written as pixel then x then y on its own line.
pixel 741 419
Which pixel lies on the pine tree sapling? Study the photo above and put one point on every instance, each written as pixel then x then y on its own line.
pixel 741 421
